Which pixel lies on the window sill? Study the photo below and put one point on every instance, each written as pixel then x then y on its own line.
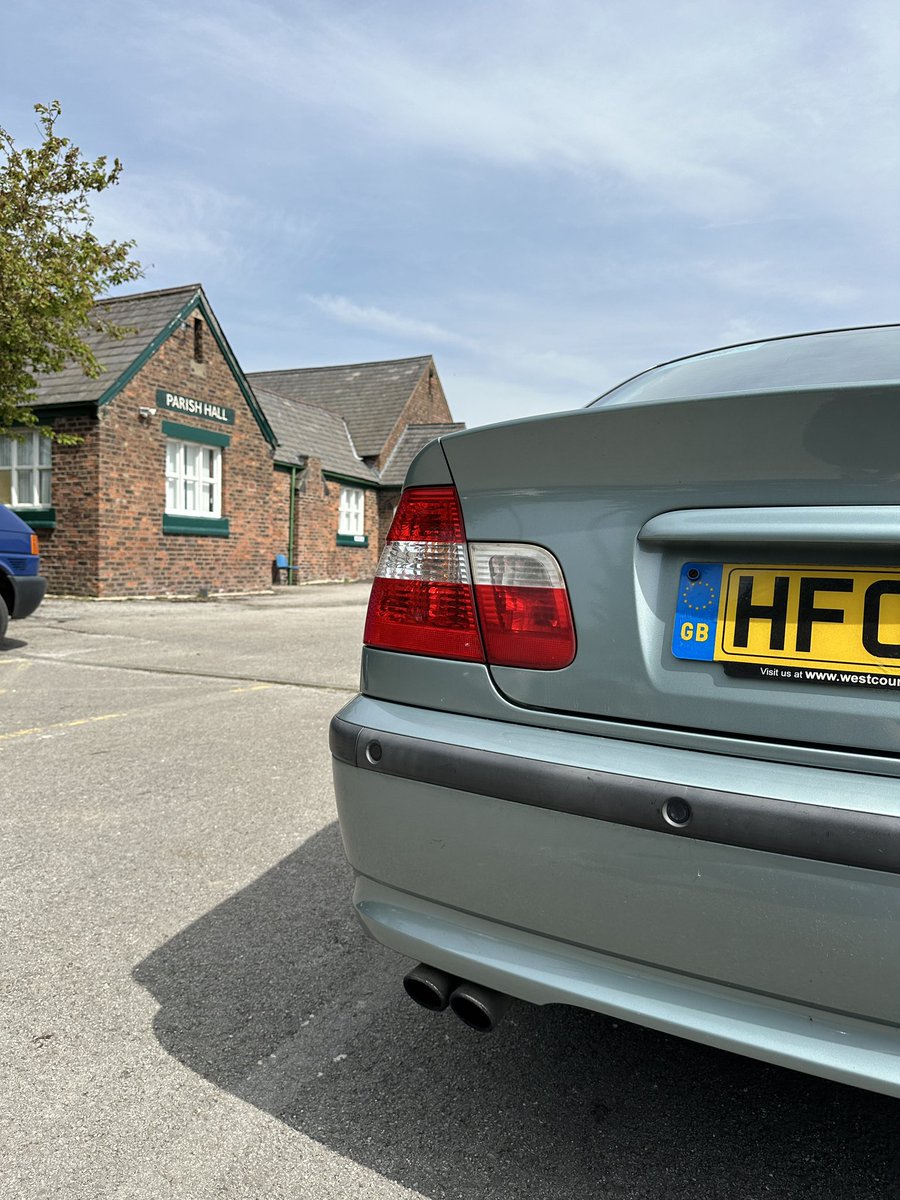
pixel 37 518
pixel 353 539
pixel 188 526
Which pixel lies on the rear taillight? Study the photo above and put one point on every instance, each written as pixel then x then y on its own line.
pixel 423 600
pixel 523 606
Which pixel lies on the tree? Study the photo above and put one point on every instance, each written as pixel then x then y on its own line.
pixel 53 268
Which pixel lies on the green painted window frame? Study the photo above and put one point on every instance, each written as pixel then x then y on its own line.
pixel 187 433
pixel 191 526
pixel 360 540
pixel 37 518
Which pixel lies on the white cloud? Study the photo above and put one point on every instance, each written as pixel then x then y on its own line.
pixel 379 320
pixel 714 109
pixel 188 230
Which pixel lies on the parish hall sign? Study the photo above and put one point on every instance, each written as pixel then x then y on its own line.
pixel 194 408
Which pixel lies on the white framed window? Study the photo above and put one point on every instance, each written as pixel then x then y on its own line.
pixel 193 479
pixel 352 513
pixel 25 471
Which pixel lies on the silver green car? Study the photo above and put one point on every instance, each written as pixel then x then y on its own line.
pixel 628 734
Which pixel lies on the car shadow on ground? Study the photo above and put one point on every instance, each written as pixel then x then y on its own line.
pixel 276 995
pixel 9 643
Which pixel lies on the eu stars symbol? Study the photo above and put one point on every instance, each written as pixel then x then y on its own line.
pixel 699 596
pixel 697 610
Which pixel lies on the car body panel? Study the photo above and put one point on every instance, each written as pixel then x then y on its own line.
pixel 23 587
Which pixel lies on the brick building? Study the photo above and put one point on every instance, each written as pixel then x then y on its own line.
pixel 346 435
pixel 168 490
pixel 189 480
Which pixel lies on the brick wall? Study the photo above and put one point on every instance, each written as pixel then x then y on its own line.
pixel 70 552
pixel 121 469
pixel 317 509
pixel 426 406
pixel 387 503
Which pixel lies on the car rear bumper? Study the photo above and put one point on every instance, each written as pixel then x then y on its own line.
pixel 542 863
pixel 546 971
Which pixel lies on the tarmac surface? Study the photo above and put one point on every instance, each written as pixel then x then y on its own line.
pixel 188 1008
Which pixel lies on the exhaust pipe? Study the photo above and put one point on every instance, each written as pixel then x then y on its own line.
pixel 478 1007
pixel 429 987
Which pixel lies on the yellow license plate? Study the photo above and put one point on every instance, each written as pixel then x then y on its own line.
pixel 810 624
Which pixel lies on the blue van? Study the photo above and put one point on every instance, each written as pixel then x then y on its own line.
pixel 22 586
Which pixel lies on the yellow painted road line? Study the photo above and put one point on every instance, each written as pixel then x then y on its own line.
pixel 255 687
pixel 5 737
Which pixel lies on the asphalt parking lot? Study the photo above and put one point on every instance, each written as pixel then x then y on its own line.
pixel 188 1009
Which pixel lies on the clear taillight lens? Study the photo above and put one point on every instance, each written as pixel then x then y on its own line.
pixel 423 600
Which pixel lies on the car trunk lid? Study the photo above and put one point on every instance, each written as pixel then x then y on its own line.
pixel 628 499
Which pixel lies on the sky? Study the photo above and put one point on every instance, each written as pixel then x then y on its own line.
pixel 546 196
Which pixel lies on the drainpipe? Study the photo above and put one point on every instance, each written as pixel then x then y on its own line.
pixel 300 465
pixel 293 504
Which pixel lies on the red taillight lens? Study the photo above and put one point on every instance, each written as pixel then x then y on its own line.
pixel 428 515
pixel 422 600
pixel 523 606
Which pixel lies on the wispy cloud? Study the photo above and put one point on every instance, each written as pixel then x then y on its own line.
pixel 379 320
pixel 712 110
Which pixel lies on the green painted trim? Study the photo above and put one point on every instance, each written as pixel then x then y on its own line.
pixel 350 539
pixel 165 333
pixel 368 484
pixel 48 413
pixel 246 391
pixel 188 433
pixel 37 518
pixel 147 353
pixel 195 526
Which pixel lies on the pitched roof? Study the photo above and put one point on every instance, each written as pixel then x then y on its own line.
pixel 413 439
pixel 369 396
pixel 146 313
pixel 302 429
pixel 150 318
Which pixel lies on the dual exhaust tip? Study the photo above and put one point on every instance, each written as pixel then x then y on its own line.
pixel 478 1007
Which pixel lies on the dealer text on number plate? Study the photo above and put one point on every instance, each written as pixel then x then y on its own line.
pixel 791 622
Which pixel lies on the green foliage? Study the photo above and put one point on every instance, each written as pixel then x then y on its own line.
pixel 52 266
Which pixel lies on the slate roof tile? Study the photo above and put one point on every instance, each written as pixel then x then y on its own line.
pixel 413 439
pixel 147 313
pixel 369 396
pixel 304 429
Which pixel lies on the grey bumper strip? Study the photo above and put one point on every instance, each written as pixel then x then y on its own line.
pixel 856 839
